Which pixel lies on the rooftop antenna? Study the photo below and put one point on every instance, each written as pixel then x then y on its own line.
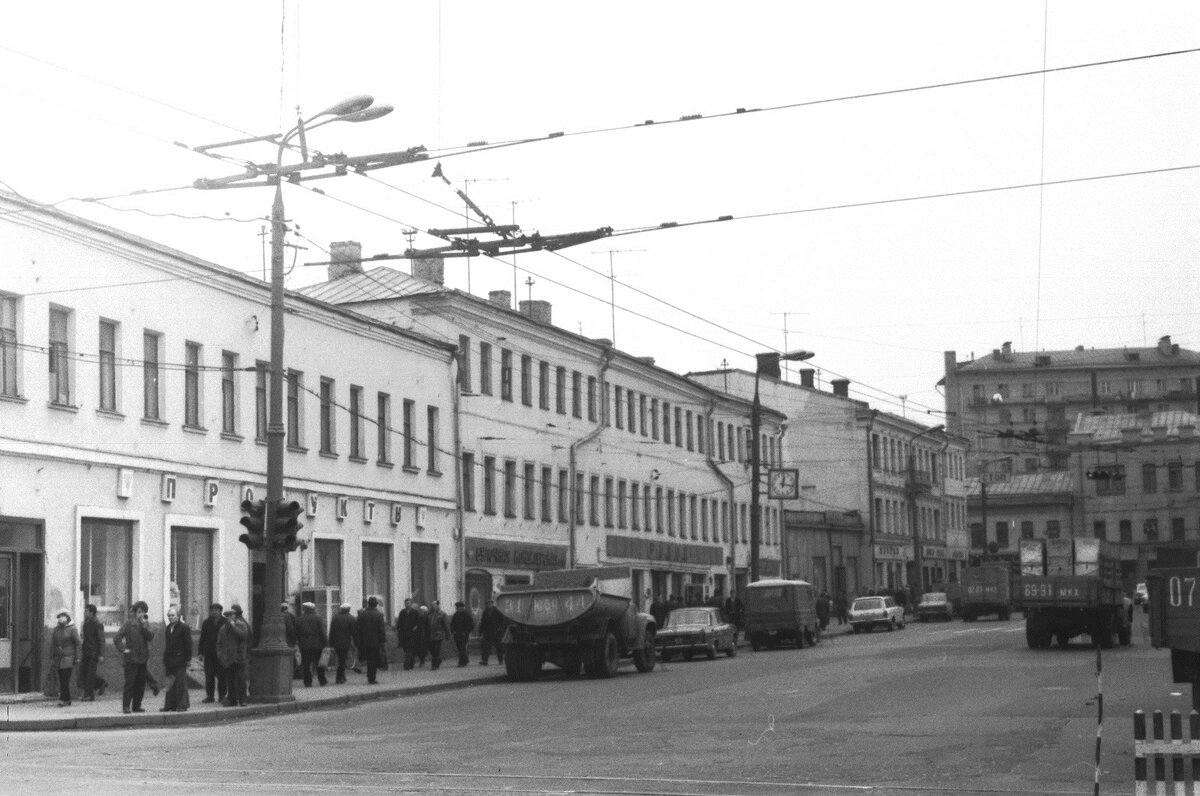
pixel 785 337
pixel 612 287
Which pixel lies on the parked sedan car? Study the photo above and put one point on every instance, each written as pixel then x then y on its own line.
pixel 866 613
pixel 934 605
pixel 692 630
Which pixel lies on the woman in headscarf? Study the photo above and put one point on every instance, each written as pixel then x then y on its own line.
pixel 64 654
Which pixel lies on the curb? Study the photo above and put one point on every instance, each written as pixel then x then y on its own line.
pixel 223 715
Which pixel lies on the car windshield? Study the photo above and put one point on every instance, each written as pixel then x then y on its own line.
pixel 867 603
pixel 689 617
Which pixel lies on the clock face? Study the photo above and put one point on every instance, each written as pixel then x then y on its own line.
pixel 784 484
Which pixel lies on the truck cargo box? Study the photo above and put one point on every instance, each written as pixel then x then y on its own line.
pixel 1033 557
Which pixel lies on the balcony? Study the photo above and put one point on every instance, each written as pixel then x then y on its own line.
pixel 920 481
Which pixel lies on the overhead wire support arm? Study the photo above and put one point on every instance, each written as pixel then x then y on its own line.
pixel 470 247
pixel 266 174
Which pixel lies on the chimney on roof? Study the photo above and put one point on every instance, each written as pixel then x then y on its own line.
pixel 501 298
pixel 841 387
pixel 648 360
pixel 431 269
pixel 536 310
pixel 1079 348
pixel 345 258
pixel 1166 348
pixel 1006 350
pixel 806 377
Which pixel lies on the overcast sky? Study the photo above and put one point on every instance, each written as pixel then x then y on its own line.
pixel 97 94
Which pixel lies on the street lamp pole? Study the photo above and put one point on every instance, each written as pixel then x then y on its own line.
pixel 767 363
pixel 272 659
pixel 918 575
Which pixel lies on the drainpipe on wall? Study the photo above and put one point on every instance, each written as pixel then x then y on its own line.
pixel 732 568
pixel 456 363
pixel 601 417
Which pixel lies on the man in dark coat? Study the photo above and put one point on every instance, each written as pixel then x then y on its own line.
pixel 177 651
pixel 133 642
pixel 214 672
pixel 289 625
pixel 823 603
pixel 658 609
pixel 491 633
pixel 343 632
pixel 372 635
pixel 91 654
pixel 461 625
pixel 410 629
pixel 233 649
pixel 311 639
pixel 436 631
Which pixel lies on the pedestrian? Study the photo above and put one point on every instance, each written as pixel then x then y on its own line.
pixel 422 634
pixel 739 615
pixel 91 652
pixel 214 672
pixel 439 629
pixel 406 623
pixel 311 639
pixel 343 630
pixel 64 655
pixel 372 635
pixel 177 652
pixel 839 607
pixel 491 633
pixel 233 650
pixel 461 626
pixel 289 625
pixel 133 642
pixel 823 603
pixel 658 609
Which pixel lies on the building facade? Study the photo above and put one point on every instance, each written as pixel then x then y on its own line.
pixel 133 402
pixel 573 452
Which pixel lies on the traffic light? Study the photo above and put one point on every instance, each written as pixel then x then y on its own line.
pixel 286 525
pixel 254 537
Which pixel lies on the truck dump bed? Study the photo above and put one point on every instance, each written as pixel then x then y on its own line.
pixel 558 598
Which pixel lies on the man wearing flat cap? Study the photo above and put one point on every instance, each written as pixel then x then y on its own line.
pixel 133 642
pixel 372 635
pixel 233 650
pixel 311 639
pixel 461 625
pixel 343 632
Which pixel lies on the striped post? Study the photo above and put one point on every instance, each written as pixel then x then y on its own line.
pixel 1160 763
pixel 1139 752
pixel 1099 718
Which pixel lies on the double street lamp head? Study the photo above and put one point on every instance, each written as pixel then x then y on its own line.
pixel 768 363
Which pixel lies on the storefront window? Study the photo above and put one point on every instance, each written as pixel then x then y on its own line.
pixel 106 558
pixel 192 573
pixel 377 573
pixel 327 563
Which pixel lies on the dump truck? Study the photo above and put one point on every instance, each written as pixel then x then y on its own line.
pixel 1069 588
pixel 575 618
pixel 985 590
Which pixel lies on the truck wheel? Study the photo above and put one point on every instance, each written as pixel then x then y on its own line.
pixel 755 642
pixel 1035 637
pixel 571 663
pixel 605 657
pixel 1124 634
pixel 731 650
pixel 1104 635
pixel 643 659
pixel 514 664
pixel 711 652
pixel 1063 639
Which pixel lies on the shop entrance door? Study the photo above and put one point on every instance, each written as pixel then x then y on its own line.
pixel 8 624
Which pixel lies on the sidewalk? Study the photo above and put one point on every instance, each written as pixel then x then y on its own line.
pixel 34 713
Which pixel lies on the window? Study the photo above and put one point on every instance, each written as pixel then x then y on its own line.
pixel 191 385
pixel 8 346
pixel 106 567
pixel 693 525
pixel 594 500
pixel 1178 534
pixel 564 494
pixel 229 370
pixel 688 420
pixel 642 415
pixel 653 418
pixel 578 503
pixel 720 440
pixel 191 573
pixel 108 366
pixel 431 439
pixel 1126 530
pixel 60 356
pixel 410 407
pixel 734 452
pixel 485 368
pixel 327 563
pixel 1100 529
pixel 1053 529
pixel 608 502
pixel 700 435
pixel 1149 477
pixel 1150 529
pixel 464 363
pixel 704 519
pixel 510 488
pixel 327 421
pixel 527 380
pixel 577 399
pixel 150 376
pixel 543 385
pixel 506 375
pixel 632 411
pixel 666 420
pixel 560 390
pixel 605 407
pixel 489 484
pixel 658 509
pixel 670 512
pixel 1002 534
pixel 724 521
pixel 295 408
pixel 357 448
pixel 260 400
pixel 630 518
pixel 383 428
pixel 547 487
pixel 1115 484
pixel 528 491
pixel 591 398
pixel 619 393
pixel 647 503
pixel 377 572
pixel 1174 476
pixel 468 481
pixel 679 427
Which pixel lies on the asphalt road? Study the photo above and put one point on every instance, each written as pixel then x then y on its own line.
pixel 935 708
